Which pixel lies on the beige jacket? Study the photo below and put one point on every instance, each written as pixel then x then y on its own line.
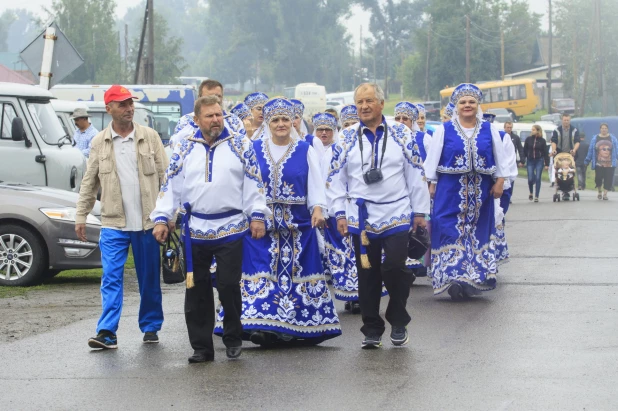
pixel 101 172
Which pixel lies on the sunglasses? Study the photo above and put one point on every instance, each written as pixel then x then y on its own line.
pixel 402 118
pixel 323 130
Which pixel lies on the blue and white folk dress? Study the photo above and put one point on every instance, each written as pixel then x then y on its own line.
pixel 284 289
pixel 502 249
pixel 464 162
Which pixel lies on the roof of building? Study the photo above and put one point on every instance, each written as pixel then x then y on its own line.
pixel 11 76
pixel 540 54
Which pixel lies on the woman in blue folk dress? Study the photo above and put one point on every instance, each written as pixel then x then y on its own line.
pixel 285 295
pixel 466 166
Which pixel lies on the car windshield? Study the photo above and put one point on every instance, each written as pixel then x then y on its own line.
pixel 564 103
pixel 46 122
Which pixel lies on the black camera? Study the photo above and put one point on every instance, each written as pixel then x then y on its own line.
pixel 373 176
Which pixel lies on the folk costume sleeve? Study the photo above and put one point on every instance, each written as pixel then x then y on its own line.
pixel 316 195
pixel 415 177
pixel 433 155
pixel 254 199
pixel 171 188
pixel 337 180
pixel 503 164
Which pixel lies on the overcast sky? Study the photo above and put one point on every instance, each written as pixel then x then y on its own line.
pixel 359 18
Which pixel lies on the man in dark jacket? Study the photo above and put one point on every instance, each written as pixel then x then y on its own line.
pixel 519 149
pixel 565 138
pixel 580 161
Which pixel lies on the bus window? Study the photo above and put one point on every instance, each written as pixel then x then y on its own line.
pixel 445 100
pixel 517 92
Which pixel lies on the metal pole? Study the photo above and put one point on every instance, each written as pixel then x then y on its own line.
pixel 549 63
pixel 126 49
pixel 141 47
pixel 427 62
pixel 150 69
pixel 502 52
pixel 602 90
pixel 582 109
pixel 360 53
pixel 467 49
pixel 48 54
pixel 385 67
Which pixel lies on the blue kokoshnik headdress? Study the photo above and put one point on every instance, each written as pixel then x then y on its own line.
pixel 326 120
pixel 241 110
pixel 348 113
pixel 255 99
pixel 299 107
pixel 407 109
pixel 449 109
pixel 466 90
pixel 278 107
pixel 490 117
pixel 421 109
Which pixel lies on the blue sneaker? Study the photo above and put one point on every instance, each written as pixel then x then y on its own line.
pixel 371 342
pixel 399 336
pixel 105 340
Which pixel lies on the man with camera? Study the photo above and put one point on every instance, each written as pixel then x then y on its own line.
pixel 376 163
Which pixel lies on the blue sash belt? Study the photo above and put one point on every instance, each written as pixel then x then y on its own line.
pixel 187 233
pixel 363 215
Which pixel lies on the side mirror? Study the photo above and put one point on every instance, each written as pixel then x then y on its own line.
pixel 17 129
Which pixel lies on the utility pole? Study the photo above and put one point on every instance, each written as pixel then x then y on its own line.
pixel 582 110
pixel 502 52
pixel 467 49
pixel 138 65
pixel 549 63
pixel 601 59
pixel 360 53
pixel 126 48
pixel 150 66
pixel 575 75
pixel 427 62
pixel 385 66
pixel 375 75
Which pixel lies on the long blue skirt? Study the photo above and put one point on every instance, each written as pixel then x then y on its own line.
pixel 283 286
pixel 463 233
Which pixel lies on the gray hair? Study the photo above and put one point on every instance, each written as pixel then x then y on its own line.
pixel 377 89
pixel 204 101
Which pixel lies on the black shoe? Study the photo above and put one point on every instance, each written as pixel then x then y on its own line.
pixel 456 292
pixel 420 272
pixel 371 341
pixel 198 357
pixel 105 339
pixel 233 352
pixel 151 337
pixel 347 306
pixel 355 307
pixel 399 336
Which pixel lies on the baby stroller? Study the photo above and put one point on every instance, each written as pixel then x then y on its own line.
pixel 564 169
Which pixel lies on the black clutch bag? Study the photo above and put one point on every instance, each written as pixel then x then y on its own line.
pixel 418 243
pixel 172 261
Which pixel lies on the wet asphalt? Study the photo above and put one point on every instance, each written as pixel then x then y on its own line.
pixel 545 339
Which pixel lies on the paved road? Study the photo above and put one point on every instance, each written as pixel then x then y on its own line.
pixel 546 339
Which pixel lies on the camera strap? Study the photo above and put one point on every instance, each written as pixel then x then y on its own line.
pixel 360 144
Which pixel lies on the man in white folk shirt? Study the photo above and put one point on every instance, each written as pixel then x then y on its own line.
pixel 214 174
pixel 377 164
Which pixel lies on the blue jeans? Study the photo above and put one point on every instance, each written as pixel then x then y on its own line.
pixel 114 246
pixel 535 170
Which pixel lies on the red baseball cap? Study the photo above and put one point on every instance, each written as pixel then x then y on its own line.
pixel 117 93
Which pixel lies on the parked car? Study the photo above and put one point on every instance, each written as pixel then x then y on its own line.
pixel 555 118
pixel 502 115
pixel 34 148
pixel 563 105
pixel 432 110
pixel 100 119
pixel 64 109
pixel 37 233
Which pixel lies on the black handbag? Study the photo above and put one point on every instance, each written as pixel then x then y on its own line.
pixel 172 260
pixel 418 243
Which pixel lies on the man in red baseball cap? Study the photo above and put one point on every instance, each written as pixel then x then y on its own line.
pixel 117 93
pixel 128 162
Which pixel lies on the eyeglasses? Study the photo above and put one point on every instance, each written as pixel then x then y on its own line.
pixel 604 149
pixel 323 130
pixel 402 118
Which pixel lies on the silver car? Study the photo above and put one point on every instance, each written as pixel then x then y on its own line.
pixel 37 234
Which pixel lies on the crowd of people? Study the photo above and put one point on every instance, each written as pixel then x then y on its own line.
pixel 283 222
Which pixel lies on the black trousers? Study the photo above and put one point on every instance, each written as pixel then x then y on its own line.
pixel 397 279
pixel 604 177
pixel 199 300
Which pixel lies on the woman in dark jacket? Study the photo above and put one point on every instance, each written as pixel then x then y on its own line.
pixel 535 153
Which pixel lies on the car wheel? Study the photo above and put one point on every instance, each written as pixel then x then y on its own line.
pixel 22 256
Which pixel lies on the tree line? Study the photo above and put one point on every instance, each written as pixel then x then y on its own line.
pixel 282 43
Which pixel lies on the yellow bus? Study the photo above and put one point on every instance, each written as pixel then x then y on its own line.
pixel 520 97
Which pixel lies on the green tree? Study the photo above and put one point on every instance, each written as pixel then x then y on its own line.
pixel 576 52
pixel 86 23
pixel 6 19
pixel 169 62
